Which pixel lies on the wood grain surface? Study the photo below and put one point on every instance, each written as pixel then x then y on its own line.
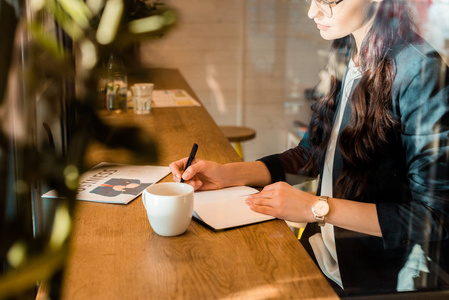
pixel 116 255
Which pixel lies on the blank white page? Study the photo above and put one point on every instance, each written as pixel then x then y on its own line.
pixel 226 208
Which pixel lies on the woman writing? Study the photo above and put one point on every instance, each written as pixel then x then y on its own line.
pixel 378 138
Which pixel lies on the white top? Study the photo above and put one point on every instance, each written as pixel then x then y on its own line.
pixel 323 244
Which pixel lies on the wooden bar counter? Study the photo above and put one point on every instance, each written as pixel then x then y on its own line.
pixel 116 255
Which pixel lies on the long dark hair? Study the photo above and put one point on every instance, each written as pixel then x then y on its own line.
pixel 371 117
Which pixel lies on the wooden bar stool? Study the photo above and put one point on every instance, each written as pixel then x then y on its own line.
pixel 237 134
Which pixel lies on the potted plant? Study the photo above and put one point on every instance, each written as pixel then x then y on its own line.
pixel 39 70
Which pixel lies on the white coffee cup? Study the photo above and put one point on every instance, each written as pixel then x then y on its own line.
pixel 169 207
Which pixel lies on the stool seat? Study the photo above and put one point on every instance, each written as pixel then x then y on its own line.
pixel 238 133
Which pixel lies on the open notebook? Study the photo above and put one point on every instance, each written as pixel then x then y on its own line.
pixel 226 208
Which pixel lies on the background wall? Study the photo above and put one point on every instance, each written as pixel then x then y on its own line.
pixel 249 62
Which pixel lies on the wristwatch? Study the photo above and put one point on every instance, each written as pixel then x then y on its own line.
pixel 320 209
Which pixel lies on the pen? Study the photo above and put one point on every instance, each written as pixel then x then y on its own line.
pixel 191 157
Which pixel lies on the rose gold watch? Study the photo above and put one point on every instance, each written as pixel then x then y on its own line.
pixel 320 209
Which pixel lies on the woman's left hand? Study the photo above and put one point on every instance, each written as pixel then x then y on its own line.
pixel 283 201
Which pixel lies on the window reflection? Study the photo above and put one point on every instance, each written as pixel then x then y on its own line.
pixel 284 57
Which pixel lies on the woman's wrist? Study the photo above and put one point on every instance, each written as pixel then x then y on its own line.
pixel 246 173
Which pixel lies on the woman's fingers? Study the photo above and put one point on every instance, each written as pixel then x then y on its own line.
pixel 177 167
pixel 267 194
pixel 271 200
pixel 262 203
pixel 266 210
pixel 257 199
pixel 197 166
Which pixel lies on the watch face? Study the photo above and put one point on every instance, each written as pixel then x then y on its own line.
pixel 321 208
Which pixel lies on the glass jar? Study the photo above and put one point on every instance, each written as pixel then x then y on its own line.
pixel 116 85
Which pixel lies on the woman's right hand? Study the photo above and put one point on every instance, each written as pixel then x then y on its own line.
pixel 202 174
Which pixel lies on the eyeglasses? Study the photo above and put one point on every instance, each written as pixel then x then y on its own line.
pixel 325 6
